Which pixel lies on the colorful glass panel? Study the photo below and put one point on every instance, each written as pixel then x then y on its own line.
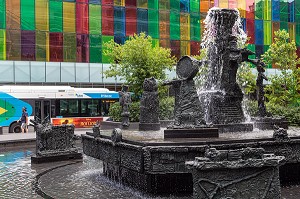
pixel 69 17
pixel 27 15
pixel 55 16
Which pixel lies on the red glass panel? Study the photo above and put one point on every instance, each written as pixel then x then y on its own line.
pixel 82 1
pixel 195 48
pixel 107 2
pixel 164 43
pixel 175 48
pixel 82 19
pixel 250 30
pixel 250 9
pixel 107 20
pixel 130 21
pixel 56 46
pixel 130 3
pixel 28 45
pixel 275 27
pixel 82 48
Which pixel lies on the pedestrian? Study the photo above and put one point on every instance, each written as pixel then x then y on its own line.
pixel 24 120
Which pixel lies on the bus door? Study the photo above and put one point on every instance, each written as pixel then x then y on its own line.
pixel 42 110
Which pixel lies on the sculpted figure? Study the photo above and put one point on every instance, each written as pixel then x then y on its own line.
pixel 125 101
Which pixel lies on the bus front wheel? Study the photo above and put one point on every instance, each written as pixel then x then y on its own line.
pixel 15 128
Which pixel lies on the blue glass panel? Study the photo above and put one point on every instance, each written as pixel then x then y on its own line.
pixel 142 20
pixel 119 40
pixel 259 50
pixel 292 11
pixel 184 5
pixel 275 10
pixel 259 33
pixel 243 22
pixel 119 21
pixel 95 1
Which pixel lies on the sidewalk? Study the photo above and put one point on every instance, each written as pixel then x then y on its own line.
pixel 6 137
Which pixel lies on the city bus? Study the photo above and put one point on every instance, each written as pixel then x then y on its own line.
pixel 82 107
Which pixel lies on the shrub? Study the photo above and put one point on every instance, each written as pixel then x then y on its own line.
pixel 292 114
pixel 166 108
pixel 115 111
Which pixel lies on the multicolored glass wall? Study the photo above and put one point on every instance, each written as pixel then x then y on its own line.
pixel 75 30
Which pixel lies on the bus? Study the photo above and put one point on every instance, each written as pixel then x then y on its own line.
pixel 82 107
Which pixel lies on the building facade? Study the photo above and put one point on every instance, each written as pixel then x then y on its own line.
pixel 62 41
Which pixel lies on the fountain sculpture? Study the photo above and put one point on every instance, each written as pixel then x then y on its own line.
pixel 54 143
pixel 151 163
pixel 149 108
pixel 125 101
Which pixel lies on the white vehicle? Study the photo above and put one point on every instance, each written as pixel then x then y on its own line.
pixel 82 107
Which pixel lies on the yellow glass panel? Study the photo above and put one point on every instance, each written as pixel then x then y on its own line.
pixel 119 2
pixel 42 15
pixel 267 10
pixel 185 48
pixel 184 26
pixel 69 17
pixel 267 32
pixel 223 3
pixel 292 31
pixel 242 8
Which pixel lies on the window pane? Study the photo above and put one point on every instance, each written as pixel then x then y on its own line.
pixel 38 72
pixel 7 67
pixel 67 72
pixel 22 71
pixel 82 72
pixel 27 15
pixel 52 71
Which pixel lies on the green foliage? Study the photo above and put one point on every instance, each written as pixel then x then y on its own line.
pixel 203 70
pixel 166 108
pixel 250 107
pixel 284 87
pixel 115 111
pixel 246 79
pixel 291 114
pixel 134 110
pixel 282 52
pixel 138 59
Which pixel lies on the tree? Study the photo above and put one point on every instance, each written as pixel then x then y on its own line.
pixel 284 87
pixel 138 59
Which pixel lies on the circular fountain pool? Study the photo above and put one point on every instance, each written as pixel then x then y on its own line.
pixel 68 179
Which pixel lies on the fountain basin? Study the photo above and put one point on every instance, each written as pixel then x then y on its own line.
pixel 157 166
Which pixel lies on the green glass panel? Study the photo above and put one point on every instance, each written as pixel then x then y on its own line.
pixel 155 42
pixel 175 5
pixel 153 4
pixel 95 19
pixel 95 49
pixel 175 26
pixel 284 10
pixel 298 34
pixel 195 26
pixel 267 32
pixel 153 23
pixel 55 15
pixel 267 10
pixel 2 14
pixel 284 25
pixel 164 4
pixel 105 39
pixel 69 47
pixel 194 5
pixel 297 11
pixel 2 45
pixel 252 48
pixel 27 15
pixel 259 9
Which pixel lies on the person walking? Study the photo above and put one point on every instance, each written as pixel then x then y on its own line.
pixel 24 120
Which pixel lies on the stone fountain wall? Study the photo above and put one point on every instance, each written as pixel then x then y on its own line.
pixel 160 167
